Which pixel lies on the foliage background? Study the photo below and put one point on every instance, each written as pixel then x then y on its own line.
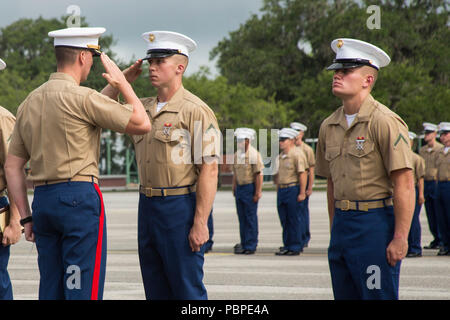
pixel 265 80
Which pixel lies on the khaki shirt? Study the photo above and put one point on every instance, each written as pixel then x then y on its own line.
pixel 359 159
pixel 183 132
pixel 59 125
pixel 246 165
pixel 309 153
pixel 290 165
pixel 418 167
pixel 429 155
pixel 7 121
pixel 443 165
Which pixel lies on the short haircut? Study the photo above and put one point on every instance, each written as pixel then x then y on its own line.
pixel 181 59
pixel 66 56
pixel 371 71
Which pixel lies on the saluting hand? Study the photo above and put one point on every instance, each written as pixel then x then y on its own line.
pixel 133 72
pixel 113 74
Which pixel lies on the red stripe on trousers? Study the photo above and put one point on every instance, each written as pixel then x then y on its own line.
pixel 98 252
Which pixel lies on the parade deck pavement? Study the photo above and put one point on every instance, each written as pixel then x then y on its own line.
pixel 262 276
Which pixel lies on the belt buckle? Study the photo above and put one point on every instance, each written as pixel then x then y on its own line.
pixel 152 192
pixel 363 206
pixel 345 205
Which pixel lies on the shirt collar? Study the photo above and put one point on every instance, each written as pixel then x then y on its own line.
pixel 62 76
pixel 171 106
pixel 367 107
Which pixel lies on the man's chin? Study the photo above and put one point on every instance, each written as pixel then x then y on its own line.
pixel 339 93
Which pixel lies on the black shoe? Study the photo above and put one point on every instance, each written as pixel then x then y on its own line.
pixel 413 255
pixel 432 245
pixel 282 252
pixel 292 253
pixel 244 251
pixel 443 252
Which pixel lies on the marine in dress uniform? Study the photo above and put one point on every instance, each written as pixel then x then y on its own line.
pixel 363 151
pixel 9 215
pixel 58 130
pixel 178 172
pixel 291 180
pixel 442 163
pixel 247 189
pixel 311 159
pixel 414 246
pixel 428 153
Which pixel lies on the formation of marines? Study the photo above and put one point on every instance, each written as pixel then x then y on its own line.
pixel 375 184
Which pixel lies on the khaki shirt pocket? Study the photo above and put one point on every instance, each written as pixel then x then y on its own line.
pixel 332 153
pixel 163 150
pixel 365 149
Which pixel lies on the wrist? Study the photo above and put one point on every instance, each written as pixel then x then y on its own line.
pixel 400 236
pixel 200 221
pixel 15 223
pixel 26 220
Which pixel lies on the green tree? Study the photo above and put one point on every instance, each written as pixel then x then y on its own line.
pixel 29 53
pixel 263 52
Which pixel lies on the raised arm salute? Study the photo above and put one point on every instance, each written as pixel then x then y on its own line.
pixel 58 130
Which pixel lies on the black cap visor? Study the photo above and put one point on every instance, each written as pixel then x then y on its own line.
pixel 349 64
pixel 96 52
pixel 161 53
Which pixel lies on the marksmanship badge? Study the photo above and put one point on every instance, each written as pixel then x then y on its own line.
pixel 360 143
pixel 166 129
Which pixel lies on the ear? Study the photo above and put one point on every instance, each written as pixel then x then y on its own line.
pixel 180 68
pixel 368 81
pixel 82 57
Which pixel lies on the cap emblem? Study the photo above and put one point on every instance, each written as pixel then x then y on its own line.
pixel 151 37
pixel 340 43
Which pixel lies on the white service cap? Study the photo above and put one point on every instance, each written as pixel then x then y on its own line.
pixel 444 126
pixel 245 133
pixel 298 126
pixel 353 53
pixel 2 64
pixel 166 43
pixel 429 126
pixel 84 37
pixel 288 133
pixel 412 135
